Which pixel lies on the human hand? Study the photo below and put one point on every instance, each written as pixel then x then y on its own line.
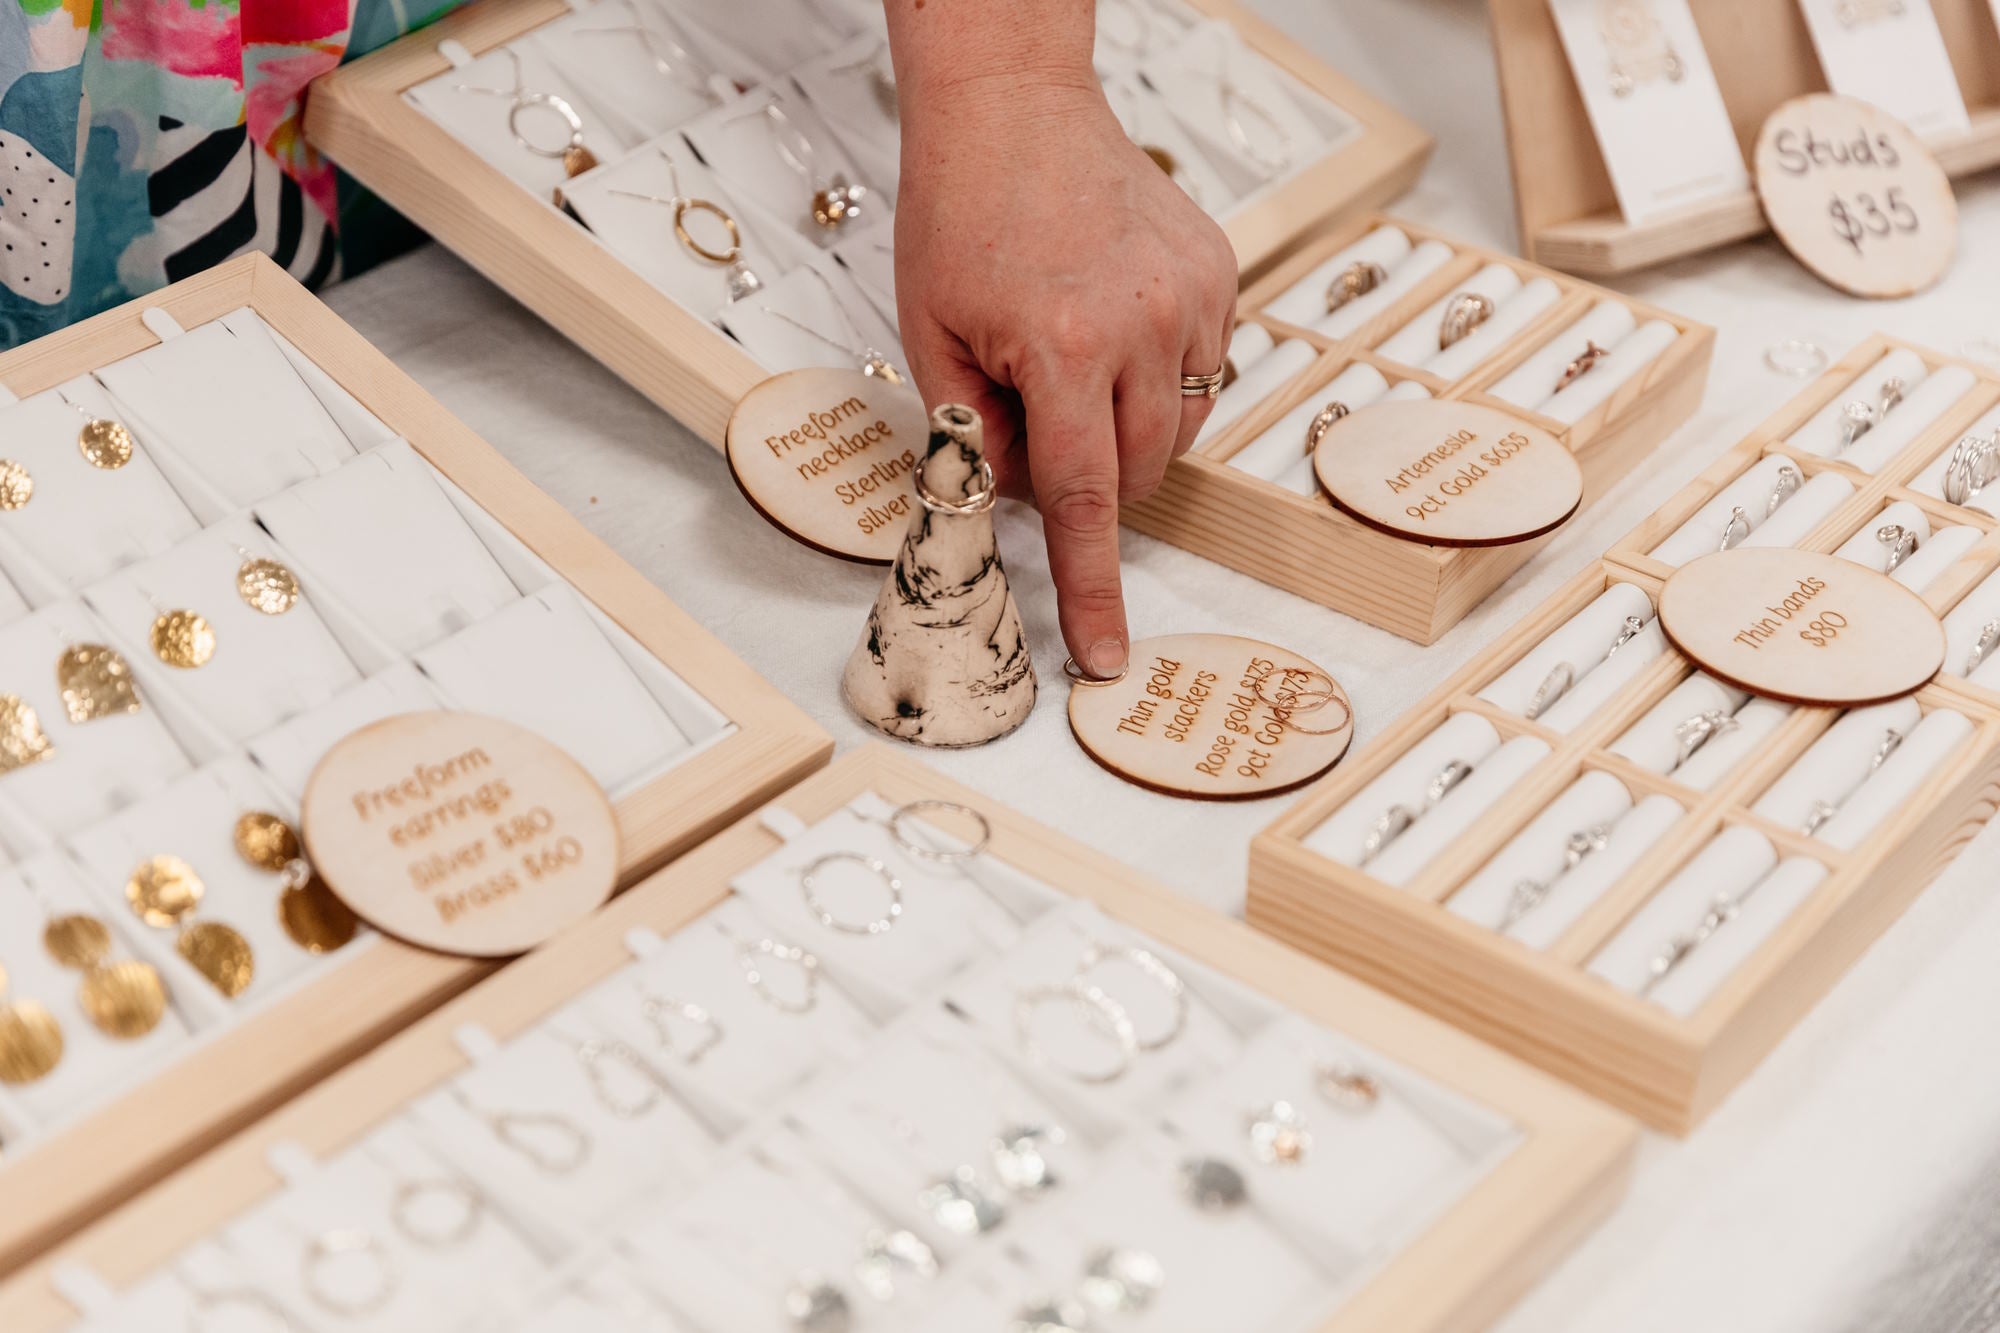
pixel 1052 277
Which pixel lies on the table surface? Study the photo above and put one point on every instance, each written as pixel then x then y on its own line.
pixel 1831 1191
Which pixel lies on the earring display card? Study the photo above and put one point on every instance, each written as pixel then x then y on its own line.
pixel 1653 101
pixel 1267 140
pixel 1380 310
pixel 1067 1087
pixel 164 703
pixel 1762 54
pixel 1591 852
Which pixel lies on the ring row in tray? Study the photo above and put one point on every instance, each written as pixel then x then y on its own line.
pixel 194 607
pixel 1472 313
pixel 1600 799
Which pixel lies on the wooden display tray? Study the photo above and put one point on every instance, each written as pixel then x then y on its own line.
pixel 1305 546
pixel 1544 1006
pixel 1567 1171
pixel 359 117
pixel 1763 57
pixel 224 1084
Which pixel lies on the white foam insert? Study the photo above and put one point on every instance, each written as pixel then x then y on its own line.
pixel 1930 481
pixel 1409 273
pixel 542 664
pixel 1513 317
pixel 1129 30
pixel 741 144
pixel 840 86
pixel 1305 300
pixel 12 604
pixel 1837 763
pixel 1492 778
pixel 1606 681
pixel 363 429
pixel 1533 382
pixel 1282 446
pixel 595 48
pixel 159 1301
pixel 1422 337
pixel 1633 353
pixel 290 751
pixel 427 1286
pixel 1582 642
pixel 640 232
pixel 1823 431
pixel 194 818
pixel 1048 955
pixel 1301 478
pixel 1924 751
pixel 381 535
pixel 1921 407
pixel 1373 1176
pixel 725 1253
pixel 1768 906
pixel 1232 1269
pixel 603 1296
pixel 763 1052
pixel 1633 838
pixel 1539 852
pixel 82 522
pixel 1935 556
pixel 1149 121
pixel 869 256
pixel 479 119
pixel 1465 737
pixel 265 668
pixel 782 33
pixel 1264 377
pixel 1652 742
pixel 1863 548
pixel 1964 623
pixel 224 415
pixel 1802 511
pixel 96 767
pixel 1729 864
pixel 1248 343
pixel 824 297
pixel 638 1144
pixel 1719 757
pixel 93 1064
pixel 923 1106
pixel 1702 533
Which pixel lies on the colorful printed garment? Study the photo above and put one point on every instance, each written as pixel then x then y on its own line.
pixel 145 140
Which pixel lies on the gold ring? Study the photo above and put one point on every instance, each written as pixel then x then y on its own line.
pixel 978 502
pixel 1202 386
pixel 1357 279
pixel 1075 672
pixel 1321 423
pixel 1585 362
pixel 1467 311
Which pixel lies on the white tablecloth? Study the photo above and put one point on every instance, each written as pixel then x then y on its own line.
pixel 1813 1182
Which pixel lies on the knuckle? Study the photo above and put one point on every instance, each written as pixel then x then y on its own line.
pixel 1087 504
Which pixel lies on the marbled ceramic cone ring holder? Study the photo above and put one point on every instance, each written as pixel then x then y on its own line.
pixel 944 660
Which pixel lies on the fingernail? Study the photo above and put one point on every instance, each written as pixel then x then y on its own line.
pixel 1106 658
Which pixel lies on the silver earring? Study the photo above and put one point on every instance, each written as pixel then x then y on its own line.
pixel 407 1212
pixel 1105 1014
pixel 330 1247
pixel 658 1009
pixel 752 957
pixel 1278 1134
pixel 1154 971
pixel 892 911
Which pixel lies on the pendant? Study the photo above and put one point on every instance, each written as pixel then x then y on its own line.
pixel 743 282
pixel 1122 1281
pixel 183 639
pixel 95 682
pixel 220 954
pixel 104 444
pixel 577 159
pixel 267 586
pixel 1020 1160
pixel 885 1255
pixel 876 366
pixel 960 1206
pixel 22 740
pixel 833 207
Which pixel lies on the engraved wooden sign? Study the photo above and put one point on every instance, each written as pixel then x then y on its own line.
pixel 1448 473
pixel 1214 716
pixel 1802 627
pixel 460 833
pixel 826 454
pixel 1856 196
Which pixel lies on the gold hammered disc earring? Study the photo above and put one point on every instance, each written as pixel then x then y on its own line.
pixel 95 682
pixel 164 893
pixel 312 915
pixel 265 585
pixel 182 639
pixel 125 1000
pixel 17 485
pixel 31 1041
pixel 22 740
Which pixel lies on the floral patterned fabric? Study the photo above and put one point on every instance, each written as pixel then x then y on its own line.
pixel 145 140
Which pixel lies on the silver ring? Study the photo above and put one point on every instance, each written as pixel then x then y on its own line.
pixel 1524 898
pixel 1901 543
pixel 1796 358
pixel 524 101
pixel 1972 467
pixel 1154 971
pixel 1109 1017
pixel 1817 816
pixel 1321 423
pixel 1989 639
pixel 1693 733
pixel 1892 740
pixel 749 957
pixel 1735 531
pixel 1203 386
pixel 1790 479
pixel 1346 1087
pixel 932 854
pixel 1632 629
pixel 1356 280
pixel 1583 843
pixel 1553 687
pixel 329 1246
pixel 1891 396
pixel 978 502
pixel 1856 420
pixel 880 925
pixel 1467 311
pixel 1388 826
pixel 1447 778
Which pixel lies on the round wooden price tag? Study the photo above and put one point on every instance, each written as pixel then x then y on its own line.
pixel 1448 473
pixel 1214 716
pixel 826 456
pixel 1802 627
pixel 1856 197
pixel 460 833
